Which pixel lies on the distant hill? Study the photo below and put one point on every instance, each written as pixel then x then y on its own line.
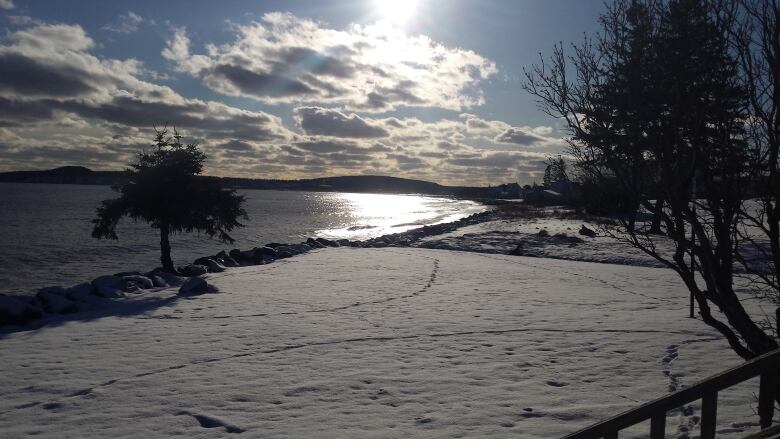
pixel 355 183
pixel 63 175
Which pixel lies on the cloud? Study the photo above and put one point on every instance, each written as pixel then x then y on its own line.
pixel 127 23
pixel 6 4
pixel 177 49
pixel 49 39
pixel 49 78
pixel 17 112
pixel 286 59
pixel 213 120
pixel 524 136
pixel 237 145
pixel 326 146
pixel 408 163
pixel 63 103
pixel 503 160
pixel 329 122
pixel 29 77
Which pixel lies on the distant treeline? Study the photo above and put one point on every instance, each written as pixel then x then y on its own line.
pixel 358 183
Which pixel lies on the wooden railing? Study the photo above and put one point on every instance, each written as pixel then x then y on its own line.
pixel 766 366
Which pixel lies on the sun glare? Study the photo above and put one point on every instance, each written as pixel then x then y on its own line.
pixel 396 11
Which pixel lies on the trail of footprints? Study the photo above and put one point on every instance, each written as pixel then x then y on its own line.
pixel 208 422
pixel 428 285
pixel 602 281
pixel 689 420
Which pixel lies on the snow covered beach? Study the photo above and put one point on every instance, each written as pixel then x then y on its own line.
pixel 363 342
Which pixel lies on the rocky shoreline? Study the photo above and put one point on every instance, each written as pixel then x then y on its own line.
pixel 97 294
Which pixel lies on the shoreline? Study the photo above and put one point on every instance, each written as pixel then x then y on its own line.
pixel 48 241
pixel 22 310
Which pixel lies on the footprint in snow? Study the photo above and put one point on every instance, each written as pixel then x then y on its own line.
pixel 298 391
pixel 423 420
pixel 212 422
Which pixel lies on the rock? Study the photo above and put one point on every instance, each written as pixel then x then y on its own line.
pixel 266 259
pixel 227 261
pixel 587 232
pixel 211 263
pixel 57 291
pixel 343 242
pixel 196 285
pixel 284 254
pixel 170 279
pixel 269 251
pixel 242 258
pixel 355 244
pixel 294 249
pixel 314 243
pixel 302 247
pixel 236 254
pixel 17 311
pixel 53 300
pixel 274 245
pixel 128 273
pixel 109 286
pixel 285 249
pixel 137 282
pixel 379 244
pixel 202 261
pixel 158 281
pixel 193 270
pixel 518 251
pixel 543 233
pixel 327 242
pixel 248 257
pixel 83 292
pixel 215 267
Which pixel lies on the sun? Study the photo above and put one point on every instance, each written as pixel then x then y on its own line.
pixel 396 11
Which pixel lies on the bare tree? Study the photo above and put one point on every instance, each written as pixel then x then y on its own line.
pixel 757 41
pixel 657 103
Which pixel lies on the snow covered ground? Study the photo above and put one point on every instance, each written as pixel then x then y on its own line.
pixel 372 343
pixel 563 242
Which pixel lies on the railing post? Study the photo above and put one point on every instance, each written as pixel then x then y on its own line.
pixel 709 410
pixel 658 426
pixel 766 396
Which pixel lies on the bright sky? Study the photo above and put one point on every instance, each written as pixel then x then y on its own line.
pixel 427 89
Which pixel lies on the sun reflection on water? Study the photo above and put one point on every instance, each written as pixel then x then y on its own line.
pixel 380 214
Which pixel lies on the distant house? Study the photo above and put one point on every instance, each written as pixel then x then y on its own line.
pixel 559 192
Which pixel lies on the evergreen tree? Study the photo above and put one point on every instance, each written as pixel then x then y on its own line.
pixel 165 188
pixel 555 171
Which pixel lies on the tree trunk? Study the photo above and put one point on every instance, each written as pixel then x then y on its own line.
pixel 655 227
pixel 165 249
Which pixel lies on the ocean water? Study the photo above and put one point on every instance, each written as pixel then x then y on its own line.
pixel 45 230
